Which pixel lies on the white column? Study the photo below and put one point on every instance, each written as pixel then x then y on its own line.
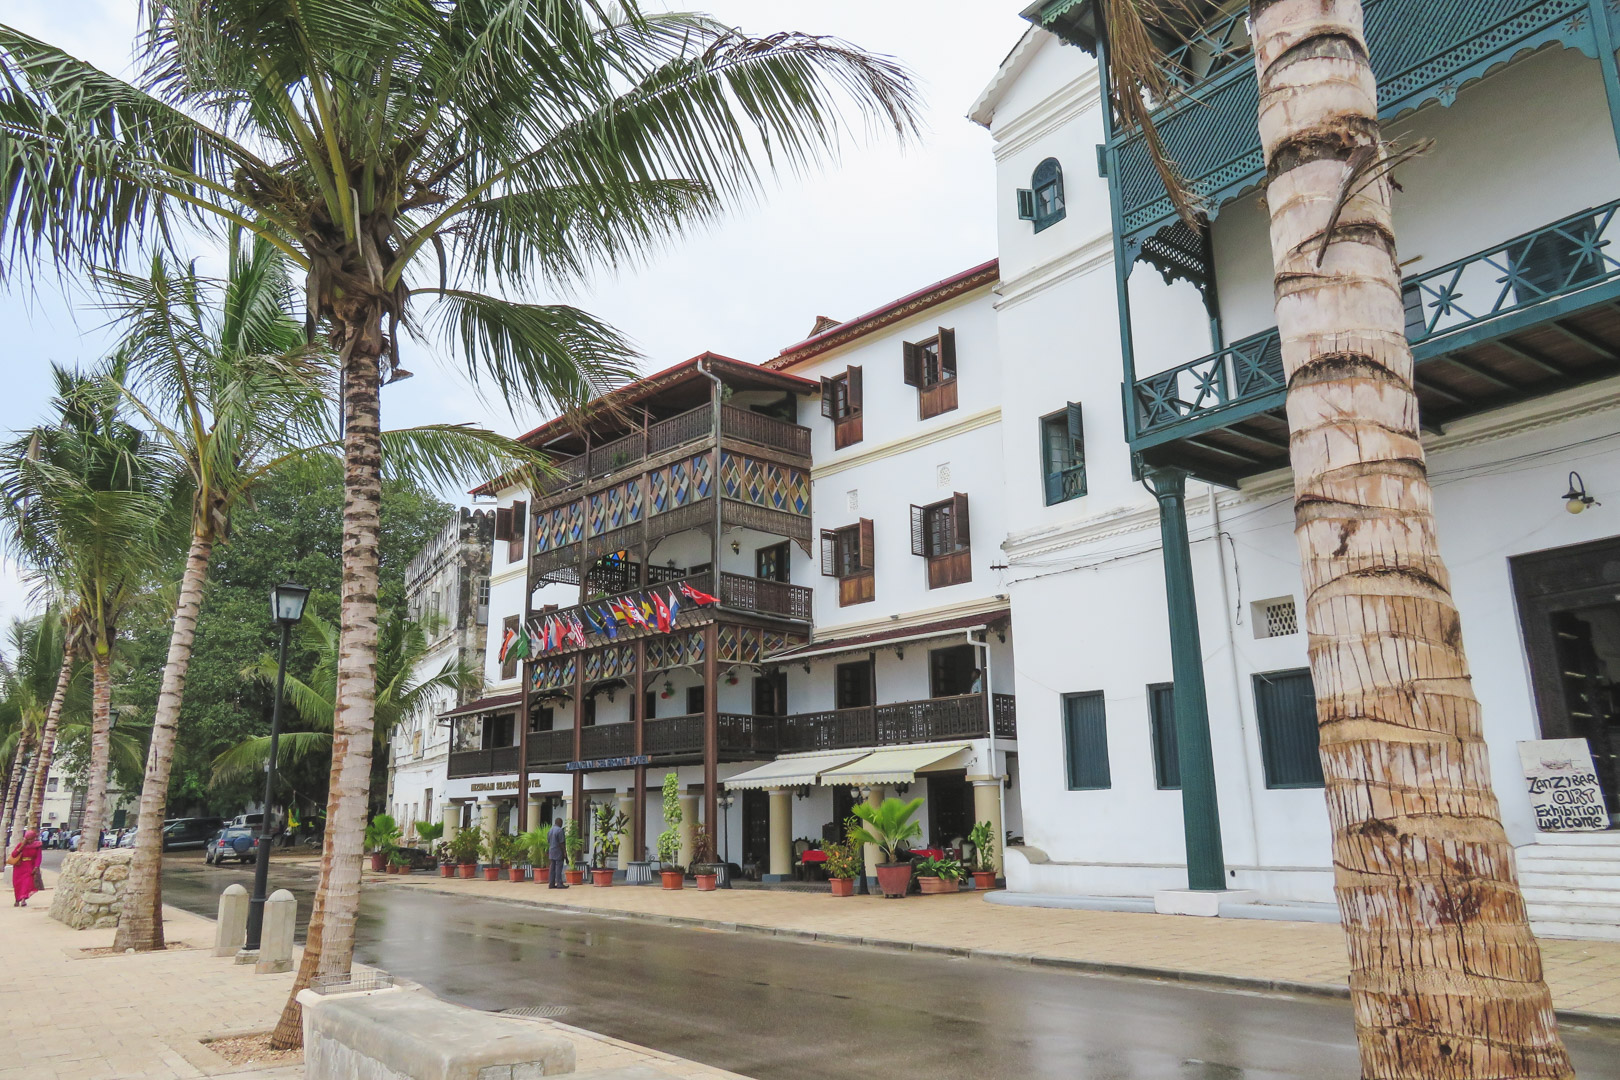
pixel 987 807
pixel 450 814
pixel 781 865
pixel 534 819
pixel 491 812
pixel 627 804
pixel 689 824
pixel 874 854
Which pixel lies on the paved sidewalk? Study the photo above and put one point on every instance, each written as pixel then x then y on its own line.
pixel 1295 956
pixel 66 1016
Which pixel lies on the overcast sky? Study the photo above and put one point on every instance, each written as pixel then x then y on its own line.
pixel 879 223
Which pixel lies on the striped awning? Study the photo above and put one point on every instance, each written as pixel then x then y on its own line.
pixel 799 771
pixel 897 765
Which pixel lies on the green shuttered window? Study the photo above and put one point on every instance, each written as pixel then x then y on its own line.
pixel 1063 455
pixel 1162 719
pixel 1285 702
pixel 1085 741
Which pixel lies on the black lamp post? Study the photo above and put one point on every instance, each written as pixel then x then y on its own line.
pixel 286 608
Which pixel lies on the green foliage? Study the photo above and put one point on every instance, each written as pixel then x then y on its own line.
pixel 383 833
pixel 983 838
pixel 608 826
pixel 844 857
pixel 947 869
pixel 669 841
pixel 398 857
pixel 467 847
pixel 888 826
pixel 573 842
pixel 537 845
pixel 703 853
pixel 506 851
pixel 429 831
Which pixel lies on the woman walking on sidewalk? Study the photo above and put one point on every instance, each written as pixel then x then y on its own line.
pixel 24 861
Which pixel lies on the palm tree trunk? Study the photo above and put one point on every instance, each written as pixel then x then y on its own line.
pixel 47 740
pixel 329 943
pixel 140 924
pixel 95 782
pixel 16 781
pixel 1446 977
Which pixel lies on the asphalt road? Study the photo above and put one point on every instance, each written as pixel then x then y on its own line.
pixel 780 1010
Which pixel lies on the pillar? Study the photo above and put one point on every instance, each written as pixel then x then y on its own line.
pixel 781 835
pixel 626 852
pixel 873 854
pixel 537 819
pixel 276 942
pixel 1200 815
pixel 689 824
pixel 230 932
pixel 450 815
pixel 491 816
pixel 987 807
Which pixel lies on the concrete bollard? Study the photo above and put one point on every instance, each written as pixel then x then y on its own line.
pixel 231 933
pixel 276 940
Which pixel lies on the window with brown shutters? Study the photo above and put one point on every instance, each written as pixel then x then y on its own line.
pixel 930 366
pixel 941 534
pixel 519 529
pixel 848 555
pixel 841 403
pixel 503 523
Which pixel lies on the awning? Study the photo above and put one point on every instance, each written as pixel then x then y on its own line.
pixel 897 765
pixel 498 702
pixel 793 771
pixel 897 635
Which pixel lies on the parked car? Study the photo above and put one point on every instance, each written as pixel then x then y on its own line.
pixel 232 842
pixel 180 834
pixel 247 820
pixel 419 859
pixel 128 839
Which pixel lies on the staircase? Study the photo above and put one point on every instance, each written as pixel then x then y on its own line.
pixel 1571 884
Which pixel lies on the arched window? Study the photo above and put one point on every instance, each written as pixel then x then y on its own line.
pixel 1042 201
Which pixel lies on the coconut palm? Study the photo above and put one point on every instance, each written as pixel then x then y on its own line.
pixel 403 154
pixel 34 683
pixel 1446 976
pixel 89 509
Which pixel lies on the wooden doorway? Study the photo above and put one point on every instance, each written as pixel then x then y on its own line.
pixel 1569 611
pixel 949 806
pixel 756 838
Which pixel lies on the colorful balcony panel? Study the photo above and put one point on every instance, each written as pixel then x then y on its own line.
pixel 618 506
pixel 679 483
pixel 747 644
pixel 557 674
pixel 765 483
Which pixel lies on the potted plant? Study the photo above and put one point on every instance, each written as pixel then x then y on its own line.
pixel 888 826
pixel 537 845
pixel 509 853
pixel 465 851
pixel 983 839
pixel 939 875
pixel 669 841
pixel 843 864
pixel 574 846
pixel 608 826
pixel 447 865
pixel 704 867
pixel 382 835
pixel 399 862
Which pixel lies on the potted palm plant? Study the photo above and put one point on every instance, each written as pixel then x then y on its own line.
pixel 671 872
pixel 887 827
pixel 465 851
pixel 447 865
pixel 843 864
pixel 382 836
pixel 574 847
pixel 399 862
pixel 983 839
pixel 428 832
pixel 704 867
pixel 608 826
pixel 537 846
pixel 497 849
pixel 509 853
pixel 939 876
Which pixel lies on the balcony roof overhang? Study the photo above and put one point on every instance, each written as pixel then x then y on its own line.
pixel 493 703
pixel 898 764
pixel 795 771
pixel 897 635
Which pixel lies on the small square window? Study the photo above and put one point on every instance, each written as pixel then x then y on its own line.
pixel 1276 617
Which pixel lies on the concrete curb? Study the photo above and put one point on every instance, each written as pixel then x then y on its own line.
pixel 1203 979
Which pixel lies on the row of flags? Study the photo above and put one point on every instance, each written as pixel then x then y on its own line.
pixel 644 611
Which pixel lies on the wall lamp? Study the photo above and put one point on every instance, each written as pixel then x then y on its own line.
pixel 1576 499
pixel 736 548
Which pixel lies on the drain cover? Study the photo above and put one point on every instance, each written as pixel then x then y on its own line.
pixel 537 1012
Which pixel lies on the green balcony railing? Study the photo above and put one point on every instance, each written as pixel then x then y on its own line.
pixel 1538 275
pixel 1422 50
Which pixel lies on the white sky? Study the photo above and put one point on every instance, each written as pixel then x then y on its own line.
pixel 876 225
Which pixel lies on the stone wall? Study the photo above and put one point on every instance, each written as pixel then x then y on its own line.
pixel 90 892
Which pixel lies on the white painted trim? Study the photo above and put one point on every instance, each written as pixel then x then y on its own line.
pixel 926 437
pixel 983 109
pixel 1079 95
pixel 984 605
pixel 1095 254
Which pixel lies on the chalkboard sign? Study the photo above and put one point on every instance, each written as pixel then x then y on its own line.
pixel 1563 785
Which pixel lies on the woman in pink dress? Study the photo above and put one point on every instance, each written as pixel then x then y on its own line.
pixel 24 860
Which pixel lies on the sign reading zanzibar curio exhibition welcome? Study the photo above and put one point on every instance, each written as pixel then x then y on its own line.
pixel 1563 785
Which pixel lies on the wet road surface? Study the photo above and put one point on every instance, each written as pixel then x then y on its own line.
pixel 781 1010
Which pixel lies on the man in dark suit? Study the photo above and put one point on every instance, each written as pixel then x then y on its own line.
pixel 557 852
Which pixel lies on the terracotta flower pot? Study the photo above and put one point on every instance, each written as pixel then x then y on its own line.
pixel 467 869
pixel 602 878
pixel 894 879
pixel 379 861
pixel 707 882
pixel 573 877
pixel 447 869
pixel 516 873
pixel 542 875
pixel 673 879
pixel 984 879
pixel 937 886
pixel 842 886
pixel 492 873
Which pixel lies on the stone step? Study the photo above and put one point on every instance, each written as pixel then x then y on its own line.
pixel 1609 868
pixel 1561 894
pixel 1610 838
pixel 1553 928
pixel 1574 912
pixel 1572 878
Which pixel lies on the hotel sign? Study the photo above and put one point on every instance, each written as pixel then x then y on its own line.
pixel 599 764
pixel 502 785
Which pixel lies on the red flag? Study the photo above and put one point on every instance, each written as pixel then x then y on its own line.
pixel 698 596
pixel 665 622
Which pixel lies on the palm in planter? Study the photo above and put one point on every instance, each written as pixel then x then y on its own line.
pixel 574 846
pixel 465 850
pixel 537 845
pixel 382 836
pixel 983 838
pixel 509 856
pixel 608 826
pixel 887 826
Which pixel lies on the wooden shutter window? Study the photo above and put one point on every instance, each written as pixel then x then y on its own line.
pixel 959 518
pixel 854 376
pixel 868 557
pixel 503 523
pixel 919 531
pixel 519 527
pixel 828 397
pixel 829 553
pixel 947 354
pixel 913 364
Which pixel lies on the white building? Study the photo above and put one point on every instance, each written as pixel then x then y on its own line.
pixel 447 594
pixel 1512 295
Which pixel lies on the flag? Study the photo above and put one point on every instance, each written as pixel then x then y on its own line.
pixel 609 624
pixel 552 639
pixel 698 596
pixel 537 643
pixel 520 646
pixel 592 621
pixel 674 608
pixel 616 609
pixel 506 643
pixel 665 623
pixel 578 629
pixel 648 610
pixel 632 613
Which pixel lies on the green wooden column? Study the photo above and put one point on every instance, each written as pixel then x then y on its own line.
pixel 1200 816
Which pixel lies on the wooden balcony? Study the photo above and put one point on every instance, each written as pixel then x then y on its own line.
pixel 929 720
pixel 496 762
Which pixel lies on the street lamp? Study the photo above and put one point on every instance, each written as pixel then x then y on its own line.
pixel 286 608
pixel 725 802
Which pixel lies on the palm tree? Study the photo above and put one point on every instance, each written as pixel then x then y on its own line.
pixel 406 152
pixel 1446 977
pixel 34 682
pixel 401 646
pixel 90 517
